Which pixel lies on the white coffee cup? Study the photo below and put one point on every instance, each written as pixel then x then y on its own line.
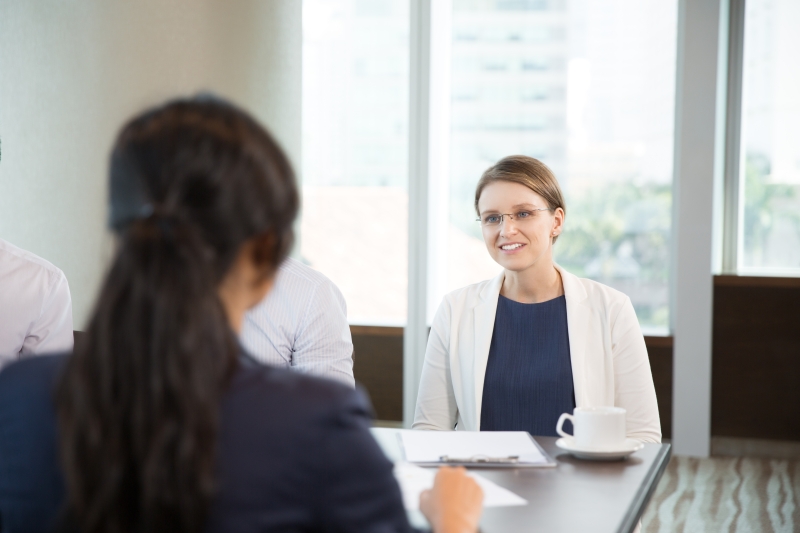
pixel 596 428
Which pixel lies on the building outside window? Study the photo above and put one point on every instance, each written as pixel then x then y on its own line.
pixel 585 86
pixel 588 88
pixel 354 225
pixel 769 211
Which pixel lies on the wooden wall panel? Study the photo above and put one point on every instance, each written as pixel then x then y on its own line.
pixel 659 350
pixel 755 389
pixel 378 367
pixel 78 338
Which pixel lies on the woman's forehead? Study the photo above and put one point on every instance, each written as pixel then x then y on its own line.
pixel 508 195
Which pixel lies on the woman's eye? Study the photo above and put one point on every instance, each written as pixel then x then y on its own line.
pixel 523 214
pixel 491 219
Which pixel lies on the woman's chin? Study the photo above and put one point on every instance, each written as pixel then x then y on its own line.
pixel 513 263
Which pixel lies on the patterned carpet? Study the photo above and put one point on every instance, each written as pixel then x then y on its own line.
pixel 726 494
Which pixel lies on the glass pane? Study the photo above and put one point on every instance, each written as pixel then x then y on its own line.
pixel 770 169
pixel 355 130
pixel 587 86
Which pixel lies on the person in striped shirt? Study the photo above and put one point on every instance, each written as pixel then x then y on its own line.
pixel 302 324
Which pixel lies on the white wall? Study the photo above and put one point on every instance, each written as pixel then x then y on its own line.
pixel 72 72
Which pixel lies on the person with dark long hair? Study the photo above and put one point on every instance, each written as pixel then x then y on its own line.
pixel 159 422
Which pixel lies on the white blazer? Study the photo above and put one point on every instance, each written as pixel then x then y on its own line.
pixel 609 358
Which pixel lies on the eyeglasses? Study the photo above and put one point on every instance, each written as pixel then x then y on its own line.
pixel 495 219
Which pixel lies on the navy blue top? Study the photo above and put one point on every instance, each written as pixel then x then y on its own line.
pixel 294 454
pixel 528 380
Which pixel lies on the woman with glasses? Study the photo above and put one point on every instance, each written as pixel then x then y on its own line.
pixel 159 422
pixel 516 351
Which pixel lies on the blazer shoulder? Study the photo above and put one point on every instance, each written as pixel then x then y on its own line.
pixel 605 292
pixel 29 382
pixel 266 388
pixel 595 291
pixel 469 293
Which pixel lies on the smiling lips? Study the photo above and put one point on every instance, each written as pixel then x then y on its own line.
pixel 510 247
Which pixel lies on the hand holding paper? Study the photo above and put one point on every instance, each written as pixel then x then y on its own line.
pixel 453 505
pixel 414 480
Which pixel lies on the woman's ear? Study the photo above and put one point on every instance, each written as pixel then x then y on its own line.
pixel 558 221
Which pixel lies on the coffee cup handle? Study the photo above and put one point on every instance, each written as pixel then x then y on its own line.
pixel 560 424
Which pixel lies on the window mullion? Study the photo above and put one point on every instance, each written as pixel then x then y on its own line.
pixel 733 152
pixel 415 335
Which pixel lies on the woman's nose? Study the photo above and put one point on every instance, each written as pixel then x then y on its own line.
pixel 508 225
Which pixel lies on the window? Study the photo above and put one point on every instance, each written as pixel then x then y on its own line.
pixel 769 227
pixel 587 87
pixel 355 136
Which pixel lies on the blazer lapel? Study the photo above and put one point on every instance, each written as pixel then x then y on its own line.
pixel 578 316
pixel 484 315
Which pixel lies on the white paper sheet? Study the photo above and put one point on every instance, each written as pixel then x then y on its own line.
pixel 413 480
pixel 430 446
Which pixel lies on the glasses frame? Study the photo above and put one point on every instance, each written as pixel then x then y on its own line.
pixel 510 215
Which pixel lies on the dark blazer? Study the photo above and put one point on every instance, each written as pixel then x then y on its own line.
pixel 295 454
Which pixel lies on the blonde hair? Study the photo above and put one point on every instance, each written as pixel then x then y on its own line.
pixel 526 171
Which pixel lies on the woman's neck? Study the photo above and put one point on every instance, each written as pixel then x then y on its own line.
pixel 235 308
pixel 536 284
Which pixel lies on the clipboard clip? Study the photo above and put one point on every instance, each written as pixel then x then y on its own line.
pixel 480 459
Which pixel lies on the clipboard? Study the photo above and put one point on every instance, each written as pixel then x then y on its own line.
pixel 533 455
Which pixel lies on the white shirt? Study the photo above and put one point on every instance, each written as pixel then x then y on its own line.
pixel 609 359
pixel 302 323
pixel 35 306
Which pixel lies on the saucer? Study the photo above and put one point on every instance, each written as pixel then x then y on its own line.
pixel 631 445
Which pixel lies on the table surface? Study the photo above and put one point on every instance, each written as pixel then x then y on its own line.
pixel 576 495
